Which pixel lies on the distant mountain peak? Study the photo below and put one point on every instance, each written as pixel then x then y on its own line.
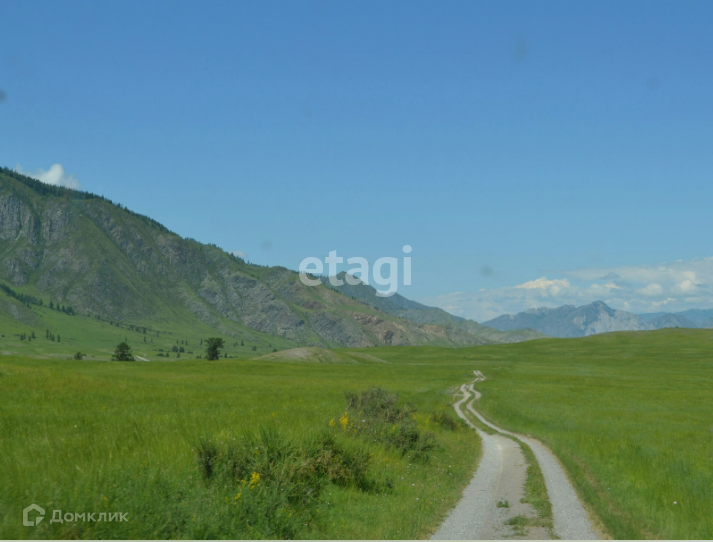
pixel 571 321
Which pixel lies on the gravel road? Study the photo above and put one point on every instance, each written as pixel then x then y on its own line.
pixel 501 476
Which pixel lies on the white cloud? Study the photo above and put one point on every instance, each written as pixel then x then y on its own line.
pixel 675 286
pixel 685 286
pixel 238 253
pixel 55 176
pixel 547 287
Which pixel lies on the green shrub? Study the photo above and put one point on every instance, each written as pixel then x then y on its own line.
pixel 376 415
pixel 448 421
pixel 272 484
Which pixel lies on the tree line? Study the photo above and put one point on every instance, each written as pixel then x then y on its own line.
pixel 25 299
pixel 213 350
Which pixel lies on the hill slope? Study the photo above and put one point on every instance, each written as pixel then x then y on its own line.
pixel 81 250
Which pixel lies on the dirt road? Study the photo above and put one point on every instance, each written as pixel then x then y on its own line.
pixel 492 499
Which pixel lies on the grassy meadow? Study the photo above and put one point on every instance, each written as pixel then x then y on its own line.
pixel 629 414
pixel 120 437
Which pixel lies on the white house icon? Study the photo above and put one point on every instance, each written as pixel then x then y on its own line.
pixel 26 512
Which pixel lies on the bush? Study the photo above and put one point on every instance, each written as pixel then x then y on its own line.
pixel 279 460
pixel 447 421
pixel 380 419
pixel 339 464
pixel 272 484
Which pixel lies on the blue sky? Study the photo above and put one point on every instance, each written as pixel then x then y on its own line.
pixel 506 142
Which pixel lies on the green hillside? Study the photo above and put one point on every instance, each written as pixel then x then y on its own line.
pixel 82 251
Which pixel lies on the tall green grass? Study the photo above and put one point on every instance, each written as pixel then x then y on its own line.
pixel 629 414
pixel 126 437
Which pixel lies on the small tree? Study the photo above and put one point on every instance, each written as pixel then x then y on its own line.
pixel 123 353
pixel 79 356
pixel 213 346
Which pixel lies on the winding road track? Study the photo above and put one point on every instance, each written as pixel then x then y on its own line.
pixel 500 478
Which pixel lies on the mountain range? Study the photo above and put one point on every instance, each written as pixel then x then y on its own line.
pixel 397 305
pixel 79 250
pixel 597 317
pixel 96 258
pixel 691 318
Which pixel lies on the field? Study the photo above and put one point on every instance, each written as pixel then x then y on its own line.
pixel 629 414
pixel 121 437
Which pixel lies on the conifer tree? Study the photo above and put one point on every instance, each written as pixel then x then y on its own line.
pixel 123 353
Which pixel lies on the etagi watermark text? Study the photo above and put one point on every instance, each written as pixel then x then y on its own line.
pixel 314 266
pixel 69 517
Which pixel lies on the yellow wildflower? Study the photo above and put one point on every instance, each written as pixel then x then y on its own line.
pixel 331 423
pixel 254 480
